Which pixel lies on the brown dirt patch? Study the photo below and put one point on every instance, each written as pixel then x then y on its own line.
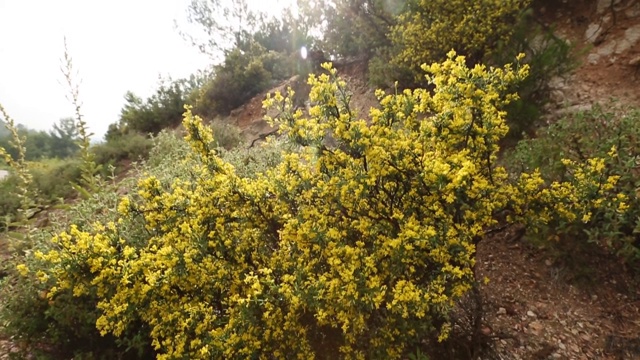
pixel 538 310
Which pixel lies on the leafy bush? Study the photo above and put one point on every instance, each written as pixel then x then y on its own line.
pixel 359 251
pixel 132 146
pixel 9 200
pixel 547 55
pixel 162 110
pixel 597 133
pixel 225 135
pixel 244 74
pixel 490 31
pixel 53 178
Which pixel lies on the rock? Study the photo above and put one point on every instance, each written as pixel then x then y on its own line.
pixel 562 346
pixel 631 37
pixel 557 82
pixel 593 32
pixel 486 331
pixel 531 314
pixel 502 311
pixel 548 262
pixel 536 327
pixel 633 11
pixel 592 59
pixel 635 61
pixel 608 48
pixel 604 5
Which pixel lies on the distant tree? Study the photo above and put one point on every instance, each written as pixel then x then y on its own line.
pixel 63 138
pixel 224 24
pixel 163 109
pixel 352 27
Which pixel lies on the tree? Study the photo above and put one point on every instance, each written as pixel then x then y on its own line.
pixel 64 137
pixel 163 109
pixel 352 27
pixel 224 24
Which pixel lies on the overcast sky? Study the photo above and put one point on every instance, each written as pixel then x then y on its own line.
pixel 116 45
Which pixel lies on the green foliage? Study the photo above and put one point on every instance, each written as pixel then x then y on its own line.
pixel 53 178
pixel 597 133
pixel 352 28
pixel 547 55
pixel 243 74
pixel 19 166
pixel 9 200
pixel 60 142
pixel 64 138
pixel 223 25
pixel 162 110
pixel 131 146
pixel 226 135
pixel 249 163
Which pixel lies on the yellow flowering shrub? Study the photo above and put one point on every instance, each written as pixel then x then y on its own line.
pixel 609 140
pixel 356 251
pixel 433 27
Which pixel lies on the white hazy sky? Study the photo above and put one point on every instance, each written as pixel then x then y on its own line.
pixel 116 46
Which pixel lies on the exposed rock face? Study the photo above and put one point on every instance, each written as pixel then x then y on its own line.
pixel 609 65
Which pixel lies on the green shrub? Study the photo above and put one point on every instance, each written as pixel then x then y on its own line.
pixel 9 200
pixel 162 110
pixel 53 178
pixel 548 56
pixel 250 162
pixel 579 137
pixel 226 135
pixel 243 74
pixel 131 146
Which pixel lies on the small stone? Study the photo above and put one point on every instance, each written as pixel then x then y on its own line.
pixel 536 327
pixel 635 61
pixel 486 331
pixel 548 262
pixel 531 314
pixel 592 33
pixel 502 311
pixel 594 297
pixel 556 355
pixel 562 346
